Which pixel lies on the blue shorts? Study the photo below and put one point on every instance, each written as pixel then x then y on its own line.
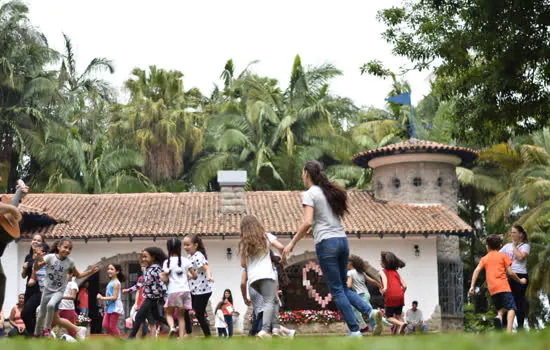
pixel 504 300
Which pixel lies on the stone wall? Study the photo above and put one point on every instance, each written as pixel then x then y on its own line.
pixel 418 183
pixel 233 199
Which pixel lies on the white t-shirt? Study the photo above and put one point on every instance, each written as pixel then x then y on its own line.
pixel 259 267
pixel 177 278
pixel 201 285
pixel 67 304
pixel 414 316
pixel 219 320
pixel 56 272
pixel 358 282
pixel 518 266
pixel 326 224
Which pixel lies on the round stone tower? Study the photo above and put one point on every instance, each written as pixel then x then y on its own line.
pixel 424 173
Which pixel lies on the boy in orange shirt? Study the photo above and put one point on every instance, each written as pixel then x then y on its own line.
pixel 496 265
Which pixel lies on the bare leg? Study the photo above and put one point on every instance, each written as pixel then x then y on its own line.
pixel 511 315
pixel 169 312
pixel 181 319
pixel 62 322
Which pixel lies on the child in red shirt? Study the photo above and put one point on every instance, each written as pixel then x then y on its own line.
pixel 496 265
pixel 393 290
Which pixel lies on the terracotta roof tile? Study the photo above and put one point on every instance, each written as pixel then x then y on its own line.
pixel 414 146
pixel 176 214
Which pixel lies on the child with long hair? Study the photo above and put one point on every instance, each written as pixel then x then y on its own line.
pixel 58 264
pixel 32 292
pixel 255 246
pixel 227 310
pixel 220 323
pixel 393 289
pixel 201 287
pixel 154 290
pixel 177 271
pixel 357 280
pixel 112 299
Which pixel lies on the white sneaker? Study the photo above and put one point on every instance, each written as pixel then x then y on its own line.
pixel 355 334
pixel 263 335
pixel 81 334
pixel 291 333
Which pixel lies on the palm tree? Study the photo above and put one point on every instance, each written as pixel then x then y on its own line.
pixel 25 88
pixel 165 121
pixel 238 135
pixel 71 82
pixel 71 164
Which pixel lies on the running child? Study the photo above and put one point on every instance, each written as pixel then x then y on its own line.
pixel 393 289
pixel 67 308
pixel 177 271
pixel 113 302
pixel 357 280
pixel 497 265
pixel 153 292
pixel 255 246
pixel 58 264
pixel 201 288
pixel 219 322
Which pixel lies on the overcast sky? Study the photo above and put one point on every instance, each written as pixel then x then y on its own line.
pixel 198 37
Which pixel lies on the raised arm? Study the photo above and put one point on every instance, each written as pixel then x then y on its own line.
pixel 519 254
pixel 307 221
pixel 84 274
pixel 372 280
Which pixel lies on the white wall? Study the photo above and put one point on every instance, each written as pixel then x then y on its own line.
pixel 420 272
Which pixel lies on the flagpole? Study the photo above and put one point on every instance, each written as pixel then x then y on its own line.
pixel 413 134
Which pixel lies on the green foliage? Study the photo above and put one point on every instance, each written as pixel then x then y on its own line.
pixel 489 57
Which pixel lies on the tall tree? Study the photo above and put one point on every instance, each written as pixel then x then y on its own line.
pixel 490 57
pixel 25 87
pixel 165 121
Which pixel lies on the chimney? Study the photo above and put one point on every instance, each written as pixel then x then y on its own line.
pixel 233 200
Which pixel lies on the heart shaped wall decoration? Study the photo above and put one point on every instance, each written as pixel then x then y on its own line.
pixel 313 266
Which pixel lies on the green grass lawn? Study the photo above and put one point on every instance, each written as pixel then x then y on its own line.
pixel 527 341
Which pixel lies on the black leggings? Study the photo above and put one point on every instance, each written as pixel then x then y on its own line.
pixel 519 290
pixel 199 302
pixel 28 314
pixel 150 309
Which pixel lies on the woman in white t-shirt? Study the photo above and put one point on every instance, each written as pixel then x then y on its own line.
pixel 176 272
pixel 254 247
pixel 518 250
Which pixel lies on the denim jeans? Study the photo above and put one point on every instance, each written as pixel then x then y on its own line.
pixel 359 315
pixel 333 256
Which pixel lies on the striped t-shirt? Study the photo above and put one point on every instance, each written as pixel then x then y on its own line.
pixel 41 276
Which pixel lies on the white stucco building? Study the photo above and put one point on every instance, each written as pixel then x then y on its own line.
pixel 411 213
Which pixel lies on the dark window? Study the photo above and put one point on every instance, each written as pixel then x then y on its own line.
pixel 396 182
pixel 451 298
pixel 439 181
pixel 379 186
pixel 417 181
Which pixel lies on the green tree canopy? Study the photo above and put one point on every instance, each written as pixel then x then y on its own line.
pixel 490 57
